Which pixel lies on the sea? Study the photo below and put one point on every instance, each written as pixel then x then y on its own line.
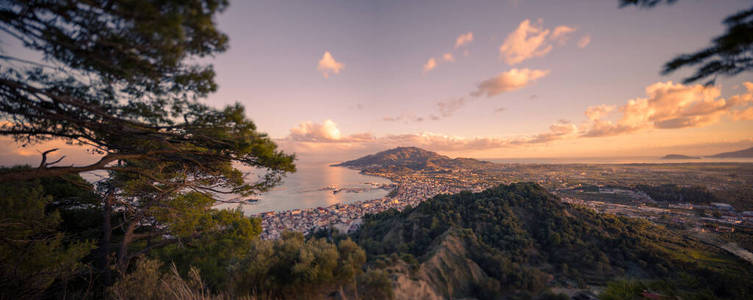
pixel 313 185
pixel 614 160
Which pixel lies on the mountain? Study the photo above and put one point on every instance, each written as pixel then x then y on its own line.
pixel 517 241
pixel 746 153
pixel 412 158
pixel 679 156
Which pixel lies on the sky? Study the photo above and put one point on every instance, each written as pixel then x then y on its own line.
pixel 484 79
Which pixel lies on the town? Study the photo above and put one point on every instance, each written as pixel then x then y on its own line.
pixel 591 186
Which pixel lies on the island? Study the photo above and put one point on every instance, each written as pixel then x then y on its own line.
pixel 679 156
pixel 408 159
pixel 746 153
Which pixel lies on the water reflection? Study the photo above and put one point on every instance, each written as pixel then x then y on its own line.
pixel 314 185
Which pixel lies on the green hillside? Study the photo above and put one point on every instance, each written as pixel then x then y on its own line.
pixel 412 158
pixel 519 239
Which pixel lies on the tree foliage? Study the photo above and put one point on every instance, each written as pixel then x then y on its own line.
pixel 728 55
pixel 675 193
pixel 293 267
pixel 121 78
pixel 124 79
pixel 519 233
pixel 34 253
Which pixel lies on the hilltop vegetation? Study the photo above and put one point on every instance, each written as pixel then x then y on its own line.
pixel 518 239
pixel 413 159
pixel 674 193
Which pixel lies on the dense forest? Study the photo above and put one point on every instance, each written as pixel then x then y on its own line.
pixel 52 244
pixel 524 239
pixel 675 194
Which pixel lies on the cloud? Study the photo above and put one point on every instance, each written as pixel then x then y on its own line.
pixel 500 109
pixel 325 132
pixel 328 65
pixel 666 106
pixel 430 64
pixel 597 112
pixel 439 142
pixel 448 107
pixel 404 118
pixel 531 40
pixel 324 138
pixel 445 108
pixel 433 62
pixel 314 132
pixel 584 41
pixel 740 115
pixel 670 106
pixel 561 34
pixel 560 130
pixel 508 81
pixel 463 39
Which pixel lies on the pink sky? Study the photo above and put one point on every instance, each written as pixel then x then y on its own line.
pixel 486 79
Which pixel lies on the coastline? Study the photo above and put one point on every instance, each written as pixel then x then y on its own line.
pixel 345 216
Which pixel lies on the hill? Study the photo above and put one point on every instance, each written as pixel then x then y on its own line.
pixel 679 156
pixel 746 153
pixel 412 158
pixel 518 240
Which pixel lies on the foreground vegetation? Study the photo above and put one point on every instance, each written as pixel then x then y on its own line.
pixel 123 80
pixel 510 241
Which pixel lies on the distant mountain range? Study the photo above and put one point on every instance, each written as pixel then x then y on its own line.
pixel 679 156
pixel 414 159
pixel 747 153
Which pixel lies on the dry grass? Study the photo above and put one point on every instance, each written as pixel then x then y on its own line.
pixel 147 282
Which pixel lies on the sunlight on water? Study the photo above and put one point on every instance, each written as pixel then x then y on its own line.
pixel 312 186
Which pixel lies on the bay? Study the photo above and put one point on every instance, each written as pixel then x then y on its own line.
pixel 313 185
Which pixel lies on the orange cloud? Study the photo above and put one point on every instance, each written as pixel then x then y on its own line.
pixel 668 105
pixel 561 34
pixel 325 132
pixel 531 40
pixel 321 138
pixel 597 112
pixel 560 130
pixel 328 65
pixel 463 39
pixel 508 81
pixel 584 41
pixel 430 64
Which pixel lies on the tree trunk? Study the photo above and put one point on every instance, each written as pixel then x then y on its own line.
pixel 106 239
pixel 123 251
